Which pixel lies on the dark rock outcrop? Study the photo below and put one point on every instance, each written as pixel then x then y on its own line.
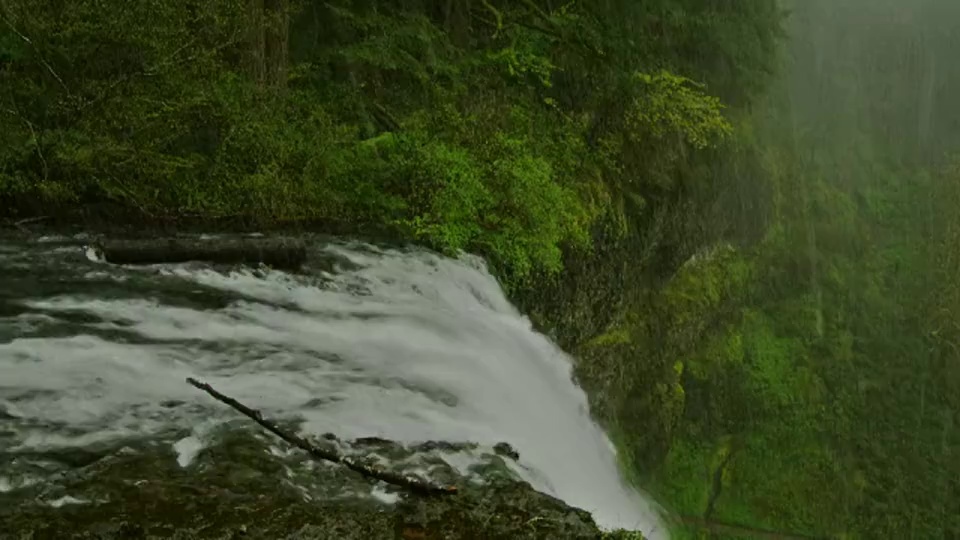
pixel 238 488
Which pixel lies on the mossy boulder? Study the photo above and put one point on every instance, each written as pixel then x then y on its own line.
pixel 244 485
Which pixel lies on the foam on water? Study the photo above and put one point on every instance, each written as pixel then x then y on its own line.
pixel 65 500
pixel 407 346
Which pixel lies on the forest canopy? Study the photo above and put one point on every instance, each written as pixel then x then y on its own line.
pixel 506 128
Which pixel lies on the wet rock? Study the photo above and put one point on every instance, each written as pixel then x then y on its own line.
pixel 237 489
pixel 370 441
pixel 445 446
pixel 74 457
pixel 504 449
pixel 320 402
pixel 501 511
pixel 171 403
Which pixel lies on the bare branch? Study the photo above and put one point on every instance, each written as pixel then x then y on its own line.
pixel 411 482
pixel 43 61
pixel 496 15
pixel 36 140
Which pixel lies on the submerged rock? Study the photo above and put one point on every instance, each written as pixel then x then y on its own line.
pixel 244 486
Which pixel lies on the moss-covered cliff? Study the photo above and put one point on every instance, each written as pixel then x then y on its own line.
pixel 796 374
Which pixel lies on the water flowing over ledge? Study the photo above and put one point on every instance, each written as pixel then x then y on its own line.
pixel 400 344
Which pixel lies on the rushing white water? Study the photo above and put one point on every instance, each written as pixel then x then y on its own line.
pixel 407 346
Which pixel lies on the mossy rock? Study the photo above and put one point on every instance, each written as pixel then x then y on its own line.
pixel 244 486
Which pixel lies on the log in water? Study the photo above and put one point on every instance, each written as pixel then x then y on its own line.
pixel 281 253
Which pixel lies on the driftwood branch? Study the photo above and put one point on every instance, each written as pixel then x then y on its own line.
pixel 278 253
pixel 410 482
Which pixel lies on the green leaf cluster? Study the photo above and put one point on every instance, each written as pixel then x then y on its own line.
pixel 489 126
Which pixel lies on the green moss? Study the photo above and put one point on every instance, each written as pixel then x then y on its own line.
pixel 615 336
pixel 685 480
pixel 702 284
pixel 722 351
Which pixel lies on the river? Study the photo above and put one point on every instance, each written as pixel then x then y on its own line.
pixel 365 341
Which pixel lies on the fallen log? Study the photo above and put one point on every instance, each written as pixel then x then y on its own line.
pixel 410 482
pixel 279 253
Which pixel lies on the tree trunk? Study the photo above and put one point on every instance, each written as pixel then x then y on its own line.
pixel 277 42
pixel 926 106
pixel 256 62
pixel 269 43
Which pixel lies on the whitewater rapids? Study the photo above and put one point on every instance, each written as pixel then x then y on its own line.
pixel 401 344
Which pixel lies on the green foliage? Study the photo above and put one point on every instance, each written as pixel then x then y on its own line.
pixel 702 286
pixel 470 134
pixel 455 198
pixel 760 281
pixel 827 373
pixel 821 376
pixel 762 286
pixel 524 59
pixel 687 461
pixel 672 105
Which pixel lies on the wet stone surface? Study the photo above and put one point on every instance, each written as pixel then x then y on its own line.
pixel 246 485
